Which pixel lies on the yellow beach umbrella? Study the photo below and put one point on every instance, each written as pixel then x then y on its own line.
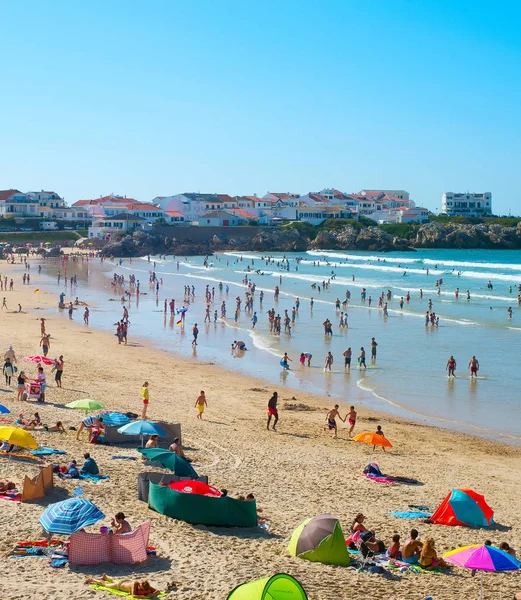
pixel 18 437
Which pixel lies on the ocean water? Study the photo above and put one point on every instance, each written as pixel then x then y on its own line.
pixel 409 377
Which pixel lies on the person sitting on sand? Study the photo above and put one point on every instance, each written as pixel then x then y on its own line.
pixel 429 559
pixel 506 548
pixel 89 466
pixel 153 442
pixel 138 589
pixel 6 486
pixel 394 549
pixel 119 524
pixel 412 548
pixel 178 449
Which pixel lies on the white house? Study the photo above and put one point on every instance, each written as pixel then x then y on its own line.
pixel 466 204
pixel 108 226
pixel 220 218
pixel 14 203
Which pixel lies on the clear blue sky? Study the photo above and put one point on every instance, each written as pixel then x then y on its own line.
pixel 160 97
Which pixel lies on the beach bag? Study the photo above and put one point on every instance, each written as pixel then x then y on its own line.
pixel 373 469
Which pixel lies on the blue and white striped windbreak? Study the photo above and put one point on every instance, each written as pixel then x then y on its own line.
pixel 70 515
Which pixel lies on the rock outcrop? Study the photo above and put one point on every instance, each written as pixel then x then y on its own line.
pixel 456 236
pixel 349 237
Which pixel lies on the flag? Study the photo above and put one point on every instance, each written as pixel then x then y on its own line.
pixel 179 322
pixel 36 291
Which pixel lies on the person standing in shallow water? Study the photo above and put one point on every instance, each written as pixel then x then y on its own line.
pixel 272 411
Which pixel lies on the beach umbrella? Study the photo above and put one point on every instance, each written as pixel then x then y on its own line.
pixel 18 437
pixel 114 419
pixel 142 428
pixel 374 439
pixel 4 410
pixel 195 487
pixel 482 558
pixel 85 404
pixel 70 515
pixel 169 460
pixel 39 359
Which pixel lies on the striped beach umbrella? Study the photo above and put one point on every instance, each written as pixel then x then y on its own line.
pixel 70 515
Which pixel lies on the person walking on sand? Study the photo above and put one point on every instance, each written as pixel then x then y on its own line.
pixel 86 316
pixel 195 333
pixel 42 326
pixel 200 404
pixel 45 343
pixel 451 366
pixel 58 363
pixel 4 304
pixel 272 411
pixel 352 420
pixel 331 420
pixel 145 396
pixel 361 359
pixel 474 366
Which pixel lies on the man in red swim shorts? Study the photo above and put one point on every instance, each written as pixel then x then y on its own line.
pixel 272 410
pixel 474 366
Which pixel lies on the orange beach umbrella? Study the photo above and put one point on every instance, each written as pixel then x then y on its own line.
pixel 375 439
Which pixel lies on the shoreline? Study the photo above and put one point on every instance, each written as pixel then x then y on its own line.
pixel 295 473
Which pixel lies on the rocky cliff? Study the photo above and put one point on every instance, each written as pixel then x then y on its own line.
pixel 432 235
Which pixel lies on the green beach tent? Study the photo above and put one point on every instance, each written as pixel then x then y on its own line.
pixel 320 539
pixel 278 587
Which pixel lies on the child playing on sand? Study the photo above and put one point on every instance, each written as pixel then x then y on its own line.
pixel 200 403
pixel 145 396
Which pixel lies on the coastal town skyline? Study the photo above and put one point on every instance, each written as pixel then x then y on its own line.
pixel 257 102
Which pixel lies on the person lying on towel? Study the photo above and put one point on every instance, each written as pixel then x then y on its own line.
pixel 138 589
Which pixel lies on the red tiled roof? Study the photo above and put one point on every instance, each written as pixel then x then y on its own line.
pixel 279 195
pixel 6 194
pixel 225 198
pixel 143 206
pixel 174 213
pixel 243 213
pixel 106 200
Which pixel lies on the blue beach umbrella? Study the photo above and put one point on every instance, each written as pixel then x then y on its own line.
pixel 114 419
pixel 70 515
pixel 4 410
pixel 141 428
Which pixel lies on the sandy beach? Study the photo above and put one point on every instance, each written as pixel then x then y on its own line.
pixel 295 473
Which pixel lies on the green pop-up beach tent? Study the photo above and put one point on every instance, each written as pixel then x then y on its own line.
pixel 320 539
pixel 278 587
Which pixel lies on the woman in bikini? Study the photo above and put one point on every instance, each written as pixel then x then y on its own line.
pixel 138 589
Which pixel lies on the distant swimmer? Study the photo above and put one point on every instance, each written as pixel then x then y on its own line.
pixel 347 358
pixel 329 362
pixel 474 366
pixel 361 358
pixel 238 345
pixel 331 420
pixel 468 295
pixel 456 293
pixel 305 356
pixel 510 312
pixel 373 349
pixel 451 366
pixel 284 361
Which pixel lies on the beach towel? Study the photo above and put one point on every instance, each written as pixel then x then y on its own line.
pixel 411 514
pixel 96 586
pixel 13 495
pixel 376 479
pixel 43 451
pixel 95 478
pixel 58 563
pixel 121 457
